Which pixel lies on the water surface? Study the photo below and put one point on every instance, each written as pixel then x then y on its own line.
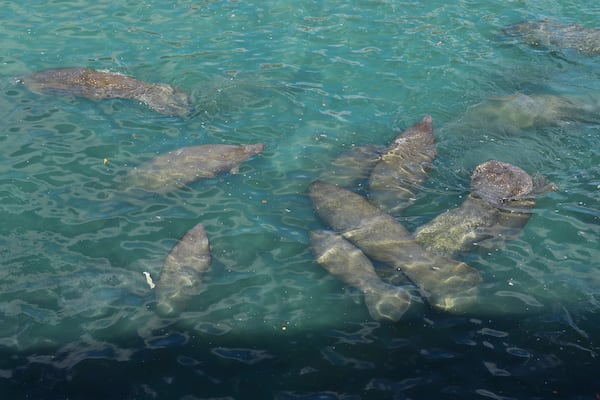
pixel 310 80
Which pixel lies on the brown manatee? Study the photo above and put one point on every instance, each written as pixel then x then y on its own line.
pixel 548 33
pixel 182 271
pixel 445 283
pixel 187 164
pixel 345 261
pixel 402 167
pixel 498 207
pixel 98 85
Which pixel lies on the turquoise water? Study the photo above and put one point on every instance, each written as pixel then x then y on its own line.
pixel 310 80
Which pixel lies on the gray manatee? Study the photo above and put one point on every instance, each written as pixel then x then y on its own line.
pixel 548 33
pixel 353 166
pixel 498 207
pixel 187 164
pixel 445 283
pixel 345 261
pixel 521 111
pixel 403 167
pixel 182 271
pixel 97 85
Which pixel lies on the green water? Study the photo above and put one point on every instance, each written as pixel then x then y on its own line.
pixel 309 80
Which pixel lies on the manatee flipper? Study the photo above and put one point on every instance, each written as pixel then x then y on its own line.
pixel 403 167
pixel 182 272
pixel 343 260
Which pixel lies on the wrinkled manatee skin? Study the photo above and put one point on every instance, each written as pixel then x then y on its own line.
pixel 548 33
pixel 499 206
pixel 345 261
pixel 97 85
pixel 474 224
pixel 188 164
pixel 498 182
pixel 445 283
pixel 403 167
pixel 182 272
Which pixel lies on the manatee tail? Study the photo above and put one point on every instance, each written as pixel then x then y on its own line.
pixel 387 302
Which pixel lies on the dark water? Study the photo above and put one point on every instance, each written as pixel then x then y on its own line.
pixel 310 81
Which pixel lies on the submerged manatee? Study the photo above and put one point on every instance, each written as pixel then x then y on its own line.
pixel 188 164
pixel 402 167
pixel 496 210
pixel 98 85
pixel 555 34
pixel 445 283
pixel 182 271
pixel 520 111
pixel 353 166
pixel 345 261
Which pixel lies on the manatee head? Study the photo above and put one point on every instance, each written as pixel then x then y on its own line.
pixel 497 182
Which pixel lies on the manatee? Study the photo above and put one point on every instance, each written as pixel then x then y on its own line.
pixel 353 166
pixel 345 261
pixel 500 203
pixel 182 271
pixel 97 85
pixel 551 34
pixel 521 111
pixel 188 164
pixel 402 167
pixel 445 283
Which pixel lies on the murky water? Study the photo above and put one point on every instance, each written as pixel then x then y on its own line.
pixel 310 81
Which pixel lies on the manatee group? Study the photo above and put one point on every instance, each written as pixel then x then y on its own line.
pixel 445 284
pixel 518 111
pixel 365 228
pixel 97 85
pixel 498 207
pixel 393 173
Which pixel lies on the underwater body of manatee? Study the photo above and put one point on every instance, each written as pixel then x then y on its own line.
pixel 526 112
pixel 553 34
